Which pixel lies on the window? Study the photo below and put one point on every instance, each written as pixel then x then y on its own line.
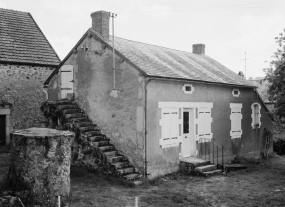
pixel 255 115
pixel 188 88
pixel 204 124
pixel 236 92
pixel 169 123
pixel 235 117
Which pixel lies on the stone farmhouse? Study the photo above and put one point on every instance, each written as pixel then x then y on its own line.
pixel 157 106
pixel 26 60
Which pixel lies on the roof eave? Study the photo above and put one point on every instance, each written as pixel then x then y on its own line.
pixel 27 63
pixel 198 81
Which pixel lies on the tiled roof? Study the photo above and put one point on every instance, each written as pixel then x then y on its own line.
pixel 170 63
pixel 22 41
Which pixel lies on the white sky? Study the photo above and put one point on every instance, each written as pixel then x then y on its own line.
pixel 228 28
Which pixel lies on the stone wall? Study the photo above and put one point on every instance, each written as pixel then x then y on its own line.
pixel 22 86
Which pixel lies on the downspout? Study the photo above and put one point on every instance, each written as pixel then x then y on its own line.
pixel 145 130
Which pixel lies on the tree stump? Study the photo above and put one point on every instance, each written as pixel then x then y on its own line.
pixel 41 157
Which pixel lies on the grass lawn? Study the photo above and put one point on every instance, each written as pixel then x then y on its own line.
pixel 260 185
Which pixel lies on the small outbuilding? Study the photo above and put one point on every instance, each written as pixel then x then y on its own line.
pixel 26 60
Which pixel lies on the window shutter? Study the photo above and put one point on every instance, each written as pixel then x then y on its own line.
pixel 166 126
pixel 236 117
pixel 169 123
pixel 174 126
pixel 204 123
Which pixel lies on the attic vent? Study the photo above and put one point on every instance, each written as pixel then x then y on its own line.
pixel 236 92
pixel 188 88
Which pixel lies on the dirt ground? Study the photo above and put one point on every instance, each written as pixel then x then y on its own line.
pixel 260 185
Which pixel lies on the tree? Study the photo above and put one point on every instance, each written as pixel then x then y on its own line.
pixel 276 77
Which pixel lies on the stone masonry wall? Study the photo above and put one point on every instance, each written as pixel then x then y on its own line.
pixel 22 86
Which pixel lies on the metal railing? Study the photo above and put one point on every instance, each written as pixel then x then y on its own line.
pixel 208 149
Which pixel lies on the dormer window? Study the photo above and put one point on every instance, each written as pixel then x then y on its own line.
pixel 236 92
pixel 188 88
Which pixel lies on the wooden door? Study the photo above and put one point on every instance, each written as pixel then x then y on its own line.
pixel 188 144
pixel 66 74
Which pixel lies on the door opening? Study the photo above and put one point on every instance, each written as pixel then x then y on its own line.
pixel 2 130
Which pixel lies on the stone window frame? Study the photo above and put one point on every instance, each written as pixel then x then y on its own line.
pixel 188 85
pixel 233 92
pixel 253 115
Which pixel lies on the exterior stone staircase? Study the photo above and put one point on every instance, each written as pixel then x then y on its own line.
pixel 198 166
pixel 91 148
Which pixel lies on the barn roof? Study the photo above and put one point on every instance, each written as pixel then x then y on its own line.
pixel 22 41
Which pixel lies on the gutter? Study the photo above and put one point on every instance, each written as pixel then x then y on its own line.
pixel 198 81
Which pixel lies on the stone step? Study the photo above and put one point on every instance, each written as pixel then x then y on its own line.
pixel 69 106
pixel 110 153
pixel 213 172
pixel 83 124
pixel 205 168
pixel 131 176
pixel 111 159
pixel 92 133
pixel 64 102
pixel 87 128
pixel 119 165
pixel 70 111
pixel 125 171
pixel 74 115
pixel 78 119
pixel 107 147
pixel 97 138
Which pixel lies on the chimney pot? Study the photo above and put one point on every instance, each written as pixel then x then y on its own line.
pixel 100 23
pixel 198 49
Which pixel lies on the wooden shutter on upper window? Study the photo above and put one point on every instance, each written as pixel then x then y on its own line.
pixel 236 117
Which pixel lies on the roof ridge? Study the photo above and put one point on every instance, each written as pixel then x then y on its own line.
pixel 154 45
pixel 13 10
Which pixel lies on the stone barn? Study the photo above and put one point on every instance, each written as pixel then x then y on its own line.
pixel 159 106
pixel 26 60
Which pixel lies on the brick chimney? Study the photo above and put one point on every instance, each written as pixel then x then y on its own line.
pixel 100 23
pixel 198 49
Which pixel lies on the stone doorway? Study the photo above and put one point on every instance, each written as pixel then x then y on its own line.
pixel 2 130
pixel 5 126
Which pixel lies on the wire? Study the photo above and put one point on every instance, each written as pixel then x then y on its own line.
pixel 236 6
